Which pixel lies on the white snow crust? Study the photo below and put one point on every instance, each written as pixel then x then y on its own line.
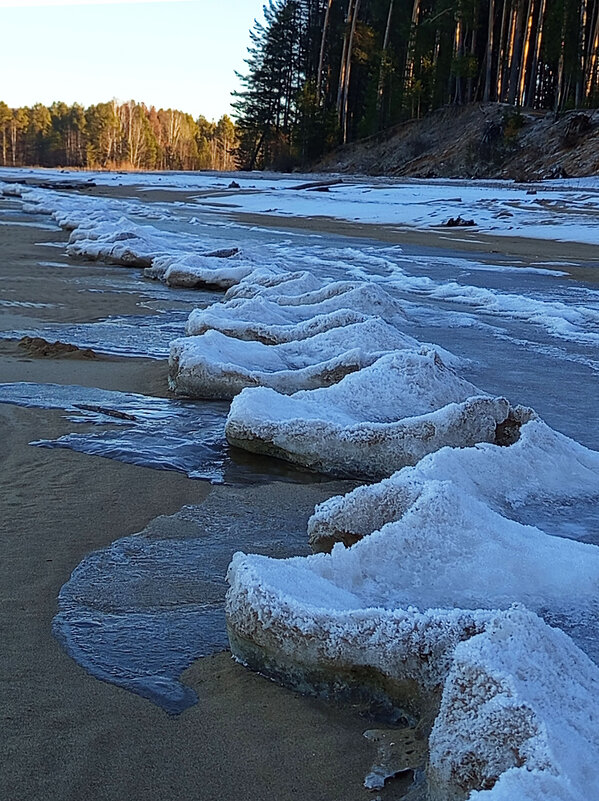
pixel 543 466
pixel 195 270
pixel 273 321
pixel 217 366
pixel 128 244
pixel 560 210
pixel 372 422
pixel 520 703
pixel 290 284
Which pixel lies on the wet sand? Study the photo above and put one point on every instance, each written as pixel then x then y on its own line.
pixel 67 735
pixel 70 736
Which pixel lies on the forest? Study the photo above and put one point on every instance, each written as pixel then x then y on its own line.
pixel 321 73
pixel 114 136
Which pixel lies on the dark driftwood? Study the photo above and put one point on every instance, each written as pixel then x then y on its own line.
pixel 89 407
pixel 318 184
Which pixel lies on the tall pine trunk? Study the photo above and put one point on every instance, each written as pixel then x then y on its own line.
pixel 516 49
pixel 411 47
pixel 323 38
pixel 592 56
pixel 525 52
pixel 502 50
pixel 489 62
pixel 559 89
pixel 534 67
pixel 343 65
pixel 381 83
pixel 345 104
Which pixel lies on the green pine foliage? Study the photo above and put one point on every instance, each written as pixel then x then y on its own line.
pixel 325 72
pixel 115 136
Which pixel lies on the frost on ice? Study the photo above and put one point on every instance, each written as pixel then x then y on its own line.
pixel 264 282
pixel 542 467
pixel 373 422
pixel 178 259
pixel 217 366
pixel 409 615
pixel 198 270
pixel 273 320
pixel 518 715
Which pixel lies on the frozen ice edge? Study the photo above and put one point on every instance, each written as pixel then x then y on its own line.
pixel 396 617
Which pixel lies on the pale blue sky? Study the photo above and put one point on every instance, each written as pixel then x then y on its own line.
pixel 167 53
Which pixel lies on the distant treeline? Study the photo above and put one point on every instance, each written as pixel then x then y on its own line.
pixel 325 72
pixel 114 135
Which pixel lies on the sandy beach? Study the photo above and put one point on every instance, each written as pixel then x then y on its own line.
pixel 67 735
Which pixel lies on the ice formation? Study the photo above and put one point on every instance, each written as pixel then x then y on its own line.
pixel 197 270
pixel 275 320
pixel 541 466
pixel 396 616
pixel 125 243
pixel 100 231
pixel 217 366
pixel 518 715
pixel 373 422
pixel 264 282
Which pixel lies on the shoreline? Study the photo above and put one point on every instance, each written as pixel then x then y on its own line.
pixel 246 738
pixel 68 735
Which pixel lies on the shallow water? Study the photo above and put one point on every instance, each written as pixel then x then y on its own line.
pixel 164 434
pixel 140 611
pixel 145 336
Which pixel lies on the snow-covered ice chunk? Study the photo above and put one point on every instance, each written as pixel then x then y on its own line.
pixel 11 190
pixel 518 715
pixel 542 467
pixel 121 242
pixel 393 617
pixel 216 366
pixel 263 282
pixel 313 633
pixel 195 270
pixel 273 334
pixel 399 600
pixel 373 422
pixel 274 320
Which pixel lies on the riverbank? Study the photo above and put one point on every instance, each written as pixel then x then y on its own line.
pixel 66 734
pixel 245 738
